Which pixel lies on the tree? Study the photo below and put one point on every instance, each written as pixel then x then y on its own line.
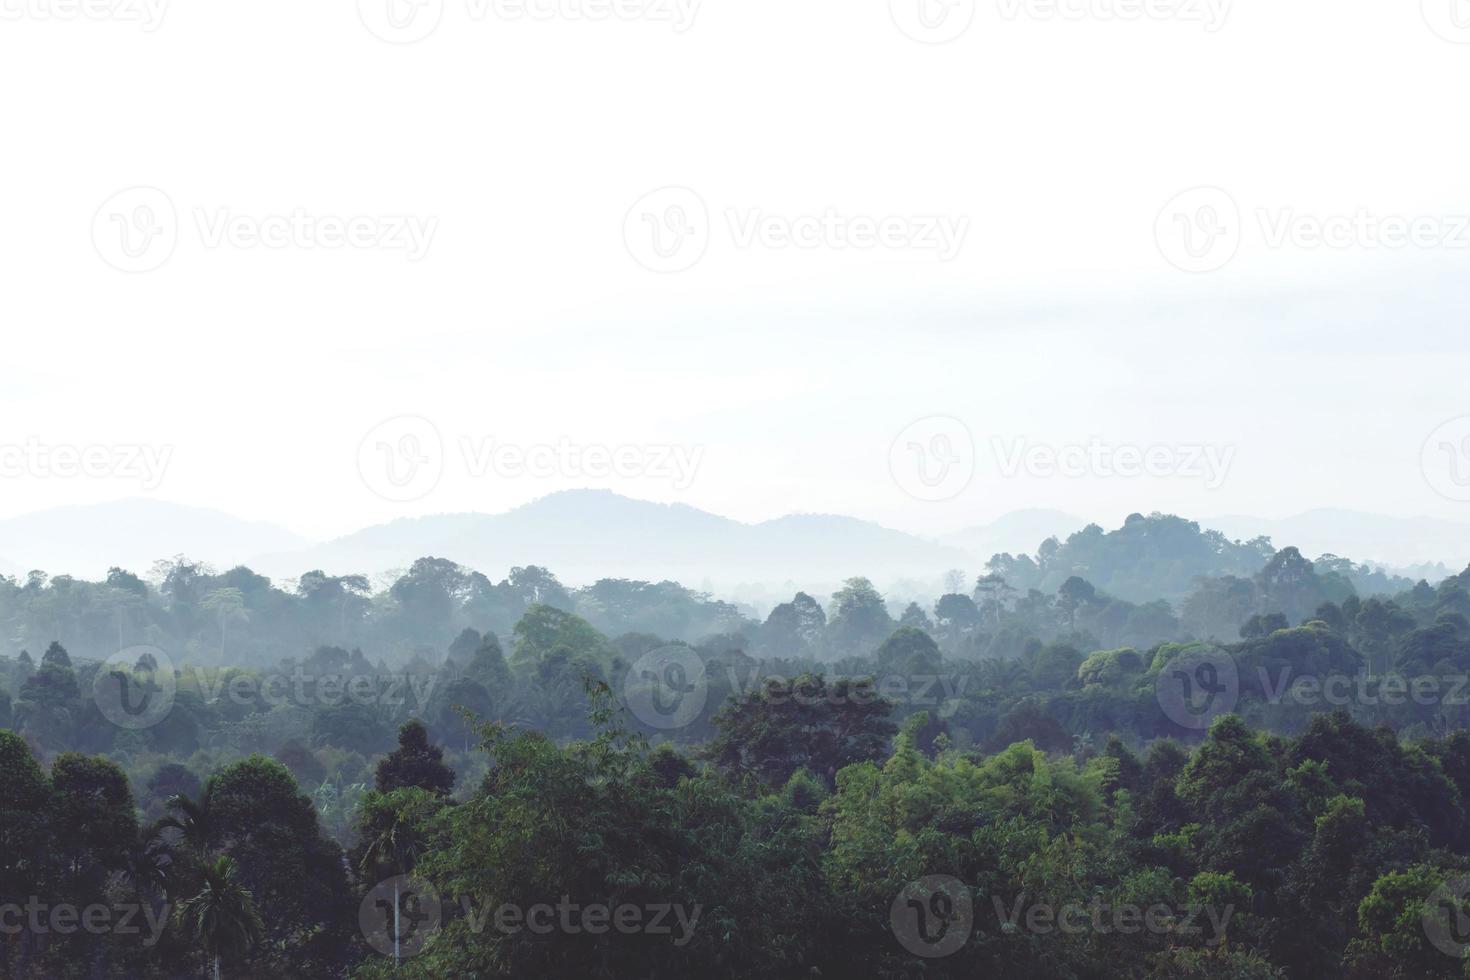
pixel 171 779
pixel 227 606
pixel 805 723
pixel 463 649
pixel 910 652
pixel 957 616
pixel 415 763
pixel 859 619
pixel 50 702
pixel 258 816
pixel 222 915
pixel 915 617
pixel 489 669
pixel 793 629
pixel 545 630
pixel 1073 594
pixel 392 832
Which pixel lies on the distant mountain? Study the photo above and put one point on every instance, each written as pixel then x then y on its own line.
pixel 584 535
pixel 133 534
pixel 1019 533
pixel 1400 542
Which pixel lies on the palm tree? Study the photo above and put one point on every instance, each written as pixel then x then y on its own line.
pixel 394 850
pixel 191 818
pixel 227 604
pixel 222 915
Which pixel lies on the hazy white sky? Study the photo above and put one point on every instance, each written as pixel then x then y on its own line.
pixel 464 230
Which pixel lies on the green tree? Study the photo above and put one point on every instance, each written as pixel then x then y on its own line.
pixel 415 763
pixel 221 916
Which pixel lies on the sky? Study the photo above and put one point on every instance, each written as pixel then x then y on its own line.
pixel 328 265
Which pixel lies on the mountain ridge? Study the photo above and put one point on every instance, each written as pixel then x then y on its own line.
pixel 588 534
